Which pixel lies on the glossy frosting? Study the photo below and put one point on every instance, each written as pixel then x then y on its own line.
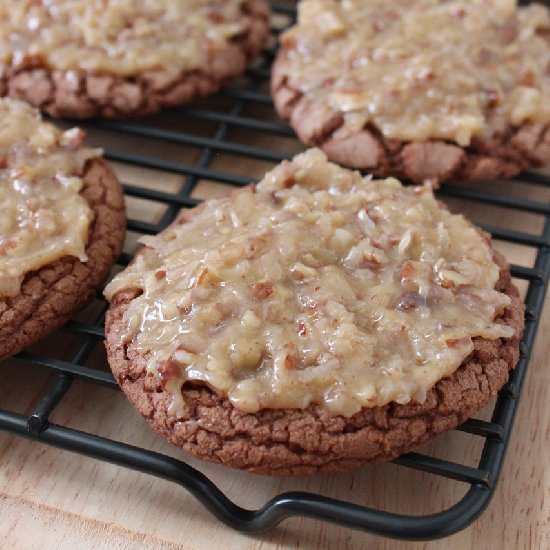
pixel 43 216
pixel 315 286
pixel 423 69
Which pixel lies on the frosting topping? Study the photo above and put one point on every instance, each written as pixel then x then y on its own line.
pixel 314 286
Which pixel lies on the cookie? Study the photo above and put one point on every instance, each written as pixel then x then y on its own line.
pixel 317 321
pixel 468 100
pixel 62 225
pixel 120 59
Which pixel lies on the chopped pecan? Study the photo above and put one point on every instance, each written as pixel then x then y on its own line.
pixel 185 309
pixel 423 79
pixel 455 342
pixel 286 175
pixel 486 56
pixel 6 246
pixel 528 79
pixel 224 308
pixel 491 98
pixel 290 360
pixel 215 17
pixel 256 244
pixel 313 310
pixel 262 290
pixel 407 270
pixel 288 40
pixel 410 300
pixel 275 198
pixel 206 278
pixel 168 370
pixel 370 263
pixel 23 60
pixel 288 182
pixel 509 31
pixel 447 283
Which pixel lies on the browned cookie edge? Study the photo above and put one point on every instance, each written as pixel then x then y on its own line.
pixel 508 152
pixel 299 442
pixel 78 95
pixel 50 295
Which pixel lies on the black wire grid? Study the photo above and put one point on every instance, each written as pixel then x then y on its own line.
pixel 496 433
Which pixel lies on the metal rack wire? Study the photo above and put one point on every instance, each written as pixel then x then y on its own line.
pixel 496 432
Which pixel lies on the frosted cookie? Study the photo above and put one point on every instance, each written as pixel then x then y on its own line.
pixel 126 57
pixel 61 225
pixel 423 90
pixel 316 321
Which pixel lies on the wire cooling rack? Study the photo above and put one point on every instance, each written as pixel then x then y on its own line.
pixel 236 109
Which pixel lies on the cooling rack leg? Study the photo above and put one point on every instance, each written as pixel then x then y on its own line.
pixel 38 419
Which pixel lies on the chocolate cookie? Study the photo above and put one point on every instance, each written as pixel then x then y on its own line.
pixel 364 400
pixel 102 59
pixel 364 82
pixel 34 303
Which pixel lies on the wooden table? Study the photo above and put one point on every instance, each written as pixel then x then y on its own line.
pixel 54 499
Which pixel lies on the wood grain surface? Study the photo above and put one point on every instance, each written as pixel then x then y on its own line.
pixel 51 498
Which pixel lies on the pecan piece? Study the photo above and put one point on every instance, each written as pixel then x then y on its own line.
pixel 410 300
pixel 262 290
